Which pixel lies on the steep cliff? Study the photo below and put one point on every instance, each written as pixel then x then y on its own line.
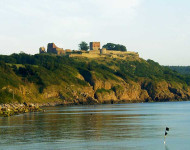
pixel 58 79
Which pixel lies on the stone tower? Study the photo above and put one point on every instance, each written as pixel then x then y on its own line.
pixel 94 45
pixel 42 50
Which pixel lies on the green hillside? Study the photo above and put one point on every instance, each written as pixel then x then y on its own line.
pixel 50 78
pixel 181 69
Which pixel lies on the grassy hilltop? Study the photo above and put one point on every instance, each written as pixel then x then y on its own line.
pixel 49 78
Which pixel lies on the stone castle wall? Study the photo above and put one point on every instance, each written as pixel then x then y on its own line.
pixel 88 55
pixel 105 53
pixel 121 52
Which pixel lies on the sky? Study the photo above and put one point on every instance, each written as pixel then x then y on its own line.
pixel 156 29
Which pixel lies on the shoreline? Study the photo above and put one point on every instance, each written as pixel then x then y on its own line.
pixel 54 104
pixel 12 109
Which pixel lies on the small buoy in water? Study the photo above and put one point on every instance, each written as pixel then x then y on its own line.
pixel 167 129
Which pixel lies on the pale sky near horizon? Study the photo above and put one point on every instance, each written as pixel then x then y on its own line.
pixel 156 29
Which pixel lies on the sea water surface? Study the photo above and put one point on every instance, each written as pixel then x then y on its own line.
pixel 138 126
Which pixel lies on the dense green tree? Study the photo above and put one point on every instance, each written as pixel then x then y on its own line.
pixel 116 47
pixel 83 46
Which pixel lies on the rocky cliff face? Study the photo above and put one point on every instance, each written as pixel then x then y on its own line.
pixel 107 91
pixel 90 81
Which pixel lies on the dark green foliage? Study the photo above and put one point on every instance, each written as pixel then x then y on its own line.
pixel 7 97
pixel 181 69
pixel 117 47
pixel 83 46
pixel 117 88
pixel 187 80
pixel 43 70
pixel 132 70
pixel 7 76
pixel 86 74
pixel 103 91
pixel 149 86
pixel 46 70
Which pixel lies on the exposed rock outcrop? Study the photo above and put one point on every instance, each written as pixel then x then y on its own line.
pixel 16 108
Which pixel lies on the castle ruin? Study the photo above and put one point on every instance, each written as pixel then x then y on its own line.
pixel 95 52
pixel 52 48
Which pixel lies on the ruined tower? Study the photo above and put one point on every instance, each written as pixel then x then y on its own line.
pixel 94 45
pixel 42 50
pixel 52 48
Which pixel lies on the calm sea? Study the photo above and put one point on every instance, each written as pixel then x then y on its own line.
pixel 122 126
